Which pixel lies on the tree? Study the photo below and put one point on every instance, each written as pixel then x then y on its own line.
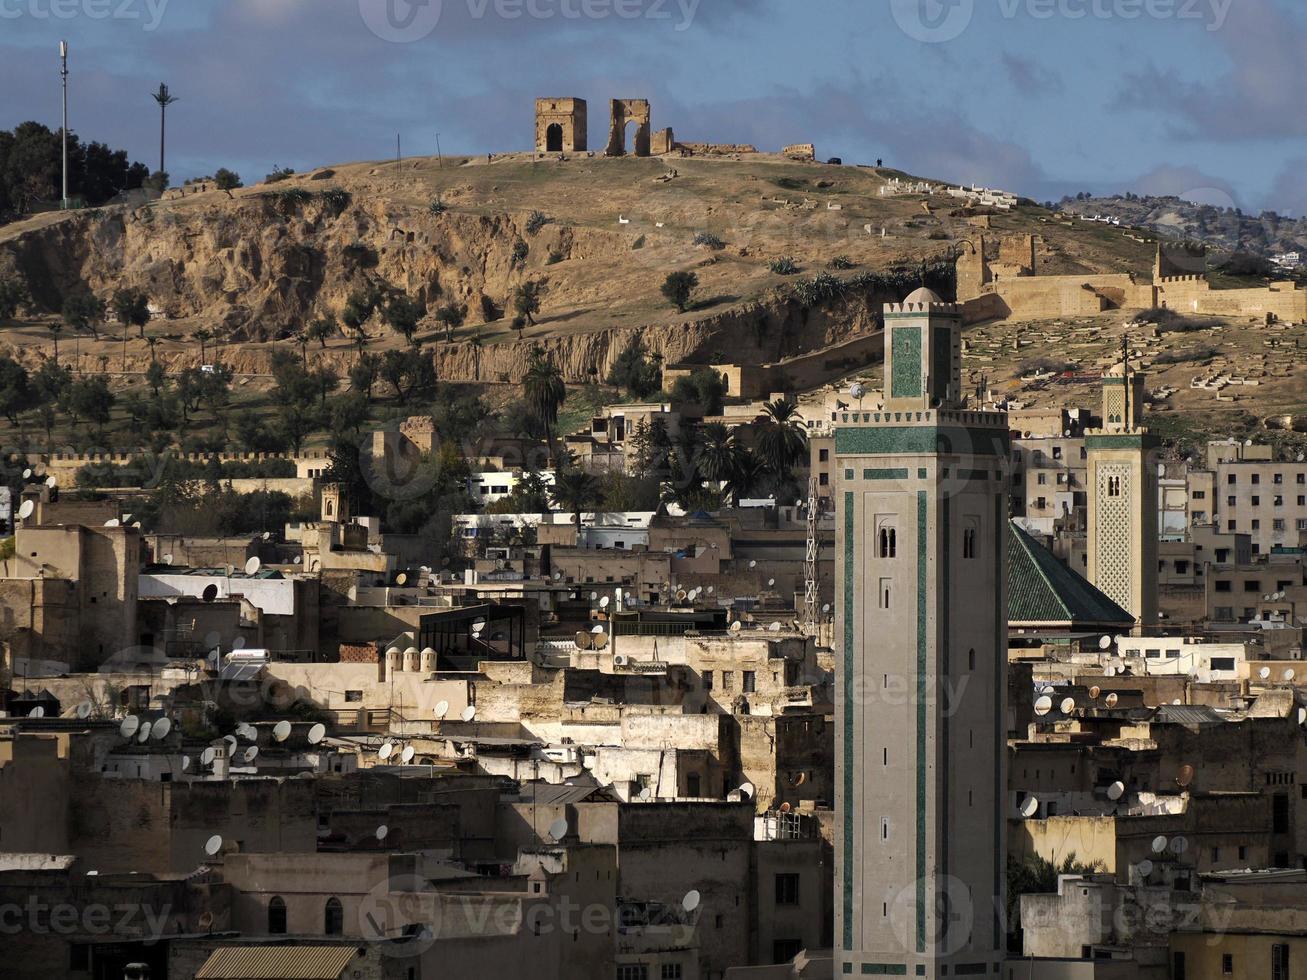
pixel 719 455
pixel 89 398
pixel 1037 875
pixel 226 180
pixel 363 374
pixel 408 371
pixel 55 329
pixel 203 336
pixel 83 311
pixel 322 328
pixel 575 491
pixel 298 422
pixel 635 371
pixel 348 414
pixel 403 314
pixel 703 387
pixel 155 376
pixel 545 393
pixel 15 389
pixel 13 294
pixel 451 315
pixel 360 306
pixel 49 383
pixel 526 300
pixel 678 287
pixel 781 439
pixel 132 307
pixel 165 98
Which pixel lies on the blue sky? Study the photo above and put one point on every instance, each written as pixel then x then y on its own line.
pixel 1042 97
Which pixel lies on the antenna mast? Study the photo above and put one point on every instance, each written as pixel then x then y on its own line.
pixel 810 562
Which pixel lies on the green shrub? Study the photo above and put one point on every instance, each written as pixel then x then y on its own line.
pixel 784 267
pixel 706 239
pixel 536 222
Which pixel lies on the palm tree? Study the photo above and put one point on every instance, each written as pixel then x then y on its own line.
pixel 576 491
pixel 781 439
pixel 545 393
pixel 152 342
pixel 165 98
pixel 718 455
pixel 55 328
pixel 203 336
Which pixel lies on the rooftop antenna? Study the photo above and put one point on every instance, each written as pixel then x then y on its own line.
pixel 470 712
pixel 252 566
pixel 281 731
pixel 558 830
pixel 691 900
pixel 382 831
pixel 317 733
pixel 213 845
pixel 407 755
pixel 442 709
pixel 63 72
pixel 159 731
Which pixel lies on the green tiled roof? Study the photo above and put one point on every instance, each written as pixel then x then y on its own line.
pixel 1040 589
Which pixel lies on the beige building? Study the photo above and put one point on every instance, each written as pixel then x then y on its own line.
pixel 922 620
pixel 1122 483
pixel 1265 499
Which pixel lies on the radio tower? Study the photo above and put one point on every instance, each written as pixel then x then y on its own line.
pixel 810 563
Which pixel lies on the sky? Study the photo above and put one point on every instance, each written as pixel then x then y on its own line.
pixel 1200 98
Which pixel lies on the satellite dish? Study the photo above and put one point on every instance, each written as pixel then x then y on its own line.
pixel 208 755
pixel 1179 845
pixel 558 576
pixel 1116 791
pixel 1111 700
pixel 1094 692
pixel 248 732
pixel 161 729
pixel 691 900
pixel 1289 674
pixel 1043 705
pixel 37 712
pixel 1109 671
pixel 594 596
pixel 1264 673
pixel 213 845
pixel 558 830
pixel 51 482
pixel 84 709
pixel 646 793
pixel 167 559
pixel 858 390
pixel 407 755
pixel 747 791
pixel 442 709
pixel 281 731
pixel 1159 844
pixel 128 726
pixel 477 627
pixel 231 743
pixel 27 473
pixel 385 751
pixel 771 582
pixel 25 509
pixel 1068 705
pixel 252 566
pixel 210 592
pixel 1030 807
pixel 712 589
pixel 603 603
pixel 238 643
pixel 382 831
pixel 1145 867
pixel 596 630
pixel 251 753
pixel 143 733
pixel 297 559
pixel 736 626
pixel 317 733
pixel 112 522
pixel 584 641
pixel 601 641
pixel 753 564
pixel 1104 643
pixel 401 579
pixel 186 762
pixel 469 712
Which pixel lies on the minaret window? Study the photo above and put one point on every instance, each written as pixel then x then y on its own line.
pixel 1114 486
pixel 887 545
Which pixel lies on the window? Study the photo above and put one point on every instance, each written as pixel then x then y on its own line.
pixel 1222 663
pixel 707 680
pixel 692 785
pixel 1227 964
pixel 1278 478
pixel 1256 501
pixel 1279 501
pixel 884 593
pixel 787 889
pixel 1223 585
pixel 333 918
pixel 1114 486
pixel 728 680
pixel 276 916
pixel 633 971
pixel 1231 479
pixel 1177 966
pixel 823 455
pixel 1043 479
pixel 1230 501
pixel 1216 854
pixel 1277 525
pixel 784 950
pixel 971 659
pixel 1252 585
pixel 750 682
pixel 1279 961
pixel 1280 813
pixel 353 697
pixel 671 971
pixel 1243 852
pixel 1057 452
pixel 1200 495
pixel 969 542
pixel 888 545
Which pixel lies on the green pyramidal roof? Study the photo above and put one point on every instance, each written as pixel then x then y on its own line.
pixel 1040 589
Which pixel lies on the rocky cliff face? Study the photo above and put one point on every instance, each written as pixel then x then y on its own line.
pixel 254 269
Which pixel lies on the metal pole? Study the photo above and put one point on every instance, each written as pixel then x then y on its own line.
pixel 439 156
pixel 63 57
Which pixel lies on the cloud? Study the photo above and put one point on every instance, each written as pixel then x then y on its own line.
pixel 1031 78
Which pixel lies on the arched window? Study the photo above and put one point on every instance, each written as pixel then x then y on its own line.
pixel 1114 486
pixel 554 138
pixel 330 508
pixel 333 918
pixel 887 545
pixel 276 916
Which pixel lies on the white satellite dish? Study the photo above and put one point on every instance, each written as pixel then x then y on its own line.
pixel 27 473
pixel 1159 844
pixel 167 559
pixel 213 845
pixel 774 628
pixel 401 579
pixel 1179 845
pixel 281 731
pixel 1289 674
pixel 51 482
pixel 127 728
pixel 736 626
pixel 858 390
pixel 382 831
pixel 297 559
pixel 1111 700
pixel 1068 705
pixel 385 751
pixel 253 565
pixel 25 509
pixel 248 732
pixel 143 733
pixel 37 712
pixel 186 762
pixel 747 791
pixel 1109 671
pixel 231 743
pixel 646 793
pixel 442 709
pixel 771 582
pixel 1043 705
pixel 691 900
pixel 1104 643
pixel 1030 807
pixel 596 630
pixel 469 712
pixel 317 733
pixel 208 755
pixel 112 522
pixel 1145 867
pixel 558 830
pixel 1116 791
pixel 1264 673
pixel 594 596
pixel 251 753
pixel 407 755
pixel 753 564
pixel 161 729
pixel 712 589
pixel 84 710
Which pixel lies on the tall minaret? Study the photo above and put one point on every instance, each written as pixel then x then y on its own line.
pixel 922 623
pixel 1121 545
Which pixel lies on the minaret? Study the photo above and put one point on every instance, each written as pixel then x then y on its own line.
pixel 1121 475
pixel 921 678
